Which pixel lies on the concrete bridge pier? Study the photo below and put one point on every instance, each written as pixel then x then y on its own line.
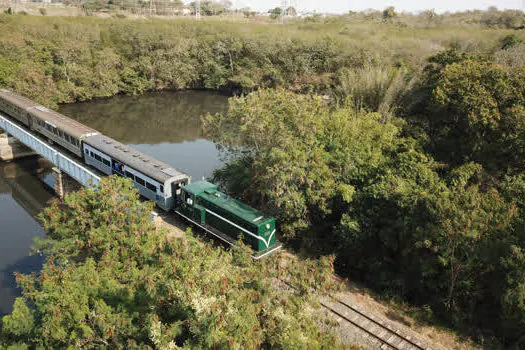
pixel 11 148
pixel 64 183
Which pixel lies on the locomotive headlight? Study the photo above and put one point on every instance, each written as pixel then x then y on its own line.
pixel 268 226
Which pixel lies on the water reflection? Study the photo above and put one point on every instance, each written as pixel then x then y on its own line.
pixel 165 125
pixel 22 197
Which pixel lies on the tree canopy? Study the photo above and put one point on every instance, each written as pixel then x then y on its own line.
pixel 111 279
pixel 355 184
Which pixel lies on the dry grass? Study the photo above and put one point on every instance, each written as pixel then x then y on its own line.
pixel 406 318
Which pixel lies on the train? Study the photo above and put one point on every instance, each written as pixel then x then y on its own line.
pixel 200 203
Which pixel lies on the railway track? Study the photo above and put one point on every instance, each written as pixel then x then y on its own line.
pixel 386 335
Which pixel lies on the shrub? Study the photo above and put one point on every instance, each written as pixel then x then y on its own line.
pixel 112 279
pixel 511 57
pixel 510 41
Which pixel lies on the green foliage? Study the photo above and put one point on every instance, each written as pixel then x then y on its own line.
pixel 350 184
pixel 111 279
pixel 295 171
pixel 20 322
pixel 8 70
pixel 389 13
pixel 104 57
pixel 480 114
pixel 510 41
pixel 276 12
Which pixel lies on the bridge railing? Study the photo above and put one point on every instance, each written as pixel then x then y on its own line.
pixel 76 170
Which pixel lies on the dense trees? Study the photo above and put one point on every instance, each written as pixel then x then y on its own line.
pixel 436 217
pixel 480 114
pixel 57 60
pixel 112 280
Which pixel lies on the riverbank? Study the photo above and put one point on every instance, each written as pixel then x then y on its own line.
pixel 66 59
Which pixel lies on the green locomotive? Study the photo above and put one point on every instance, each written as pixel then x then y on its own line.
pixel 227 218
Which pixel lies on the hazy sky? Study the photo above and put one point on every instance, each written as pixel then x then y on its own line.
pixel 338 6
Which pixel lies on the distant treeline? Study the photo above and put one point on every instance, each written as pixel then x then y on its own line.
pixel 61 60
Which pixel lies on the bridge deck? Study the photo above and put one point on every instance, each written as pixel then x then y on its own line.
pixel 78 171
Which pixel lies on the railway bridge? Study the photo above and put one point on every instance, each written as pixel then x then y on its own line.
pixel 70 173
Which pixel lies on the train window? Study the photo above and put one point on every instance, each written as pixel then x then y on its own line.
pixel 55 131
pixel 161 189
pixel 151 187
pixel 91 154
pixel 60 133
pixel 140 181
pixel 106 162
pixel 97 157
pixel 130 175
pixel 87 152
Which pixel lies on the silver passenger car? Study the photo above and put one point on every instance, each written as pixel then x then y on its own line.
pixel 155 180
pixel 60 129
pixel 54 126
pixel 16 106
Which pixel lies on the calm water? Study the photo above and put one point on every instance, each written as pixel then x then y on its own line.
pixel 165 125
pixel 22 197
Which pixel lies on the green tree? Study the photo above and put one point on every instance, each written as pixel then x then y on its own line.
pixel 111 279
pixel 480 114
pixel 7 71
pixel 389 13
pixel 349 183
pixel 276 12
pixel 510 41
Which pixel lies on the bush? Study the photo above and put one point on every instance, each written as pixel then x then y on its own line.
pixel 511 57
pixel 112 279
pixel 510 41
pixel 349 183
pixel 7 71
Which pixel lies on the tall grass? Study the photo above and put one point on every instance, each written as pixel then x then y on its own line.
pixel 66 59
pixel 374 88
pixel 512 57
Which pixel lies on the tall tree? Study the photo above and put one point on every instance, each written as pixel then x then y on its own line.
pixel 111 279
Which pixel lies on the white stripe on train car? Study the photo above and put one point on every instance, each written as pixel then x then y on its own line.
pixel 255 257
pixel 243 229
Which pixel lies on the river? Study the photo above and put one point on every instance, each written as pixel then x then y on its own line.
pixel 164 125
